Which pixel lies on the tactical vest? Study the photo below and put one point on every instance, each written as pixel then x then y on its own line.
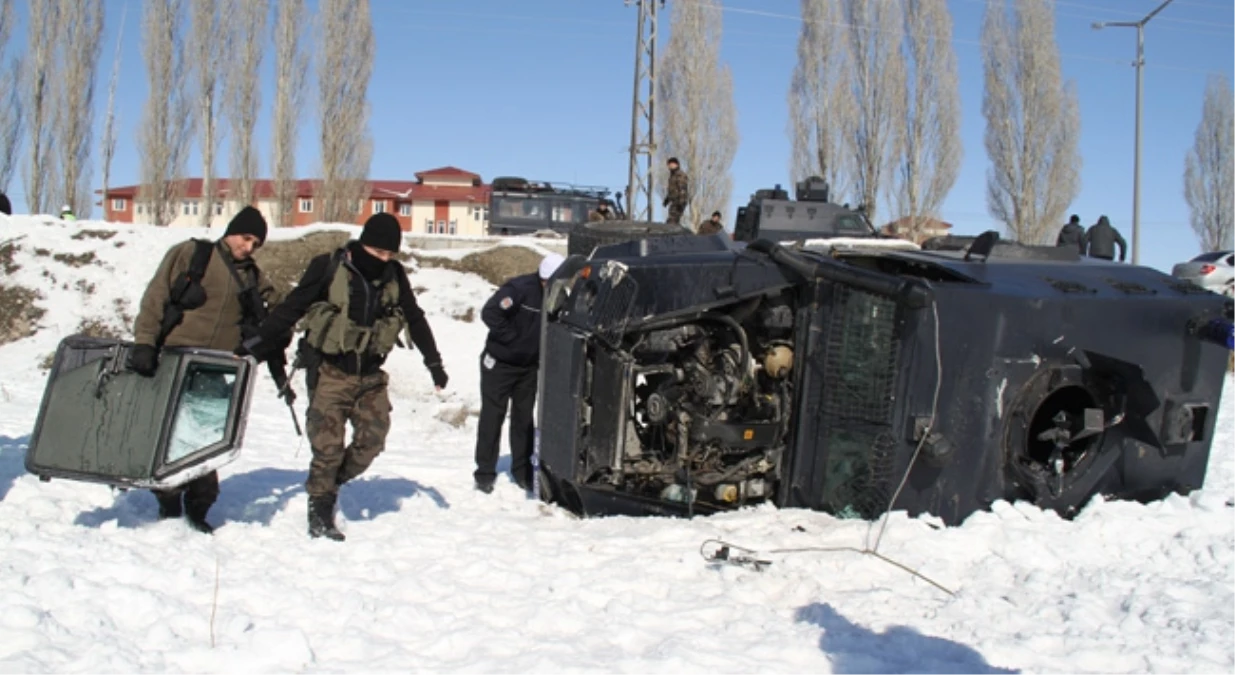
pixel 330 329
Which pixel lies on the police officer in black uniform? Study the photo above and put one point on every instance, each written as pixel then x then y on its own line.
pixel 508 371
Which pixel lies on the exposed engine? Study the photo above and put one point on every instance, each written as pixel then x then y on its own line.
pixel 711 405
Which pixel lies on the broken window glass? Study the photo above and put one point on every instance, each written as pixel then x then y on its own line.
pixel 202 409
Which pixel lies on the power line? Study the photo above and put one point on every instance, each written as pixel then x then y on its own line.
pixel 766 14
pixel 1138 14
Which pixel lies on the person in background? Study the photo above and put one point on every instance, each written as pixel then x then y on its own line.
pixel 1072 234
pixel 678 192
pixel 711 225
pixel 1101 239
pixel 66 214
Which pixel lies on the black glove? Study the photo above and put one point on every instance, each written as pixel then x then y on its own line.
pixel 144 360
pixel 666 202
pixel 439 375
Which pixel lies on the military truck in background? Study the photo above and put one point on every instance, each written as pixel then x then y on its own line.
pixel 518 206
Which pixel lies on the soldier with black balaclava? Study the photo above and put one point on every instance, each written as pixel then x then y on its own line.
pixel 355 302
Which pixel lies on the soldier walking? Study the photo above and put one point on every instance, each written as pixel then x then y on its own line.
pixel 355 302
pixel 678 192
pixel 202 296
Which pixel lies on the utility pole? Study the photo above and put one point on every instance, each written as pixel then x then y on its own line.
pixel 1136 161
pixel 642 129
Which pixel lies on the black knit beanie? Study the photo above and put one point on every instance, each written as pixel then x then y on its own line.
pixel 382 231
pixel 5 207
pixel 248 221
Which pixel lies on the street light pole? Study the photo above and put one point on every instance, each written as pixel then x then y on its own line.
pixel 1136 153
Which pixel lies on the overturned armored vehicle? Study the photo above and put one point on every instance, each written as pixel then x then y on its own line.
pixel 687 375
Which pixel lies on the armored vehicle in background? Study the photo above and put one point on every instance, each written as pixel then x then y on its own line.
pixel 770 214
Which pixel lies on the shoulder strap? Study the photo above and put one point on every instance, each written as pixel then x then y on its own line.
pixel 201 258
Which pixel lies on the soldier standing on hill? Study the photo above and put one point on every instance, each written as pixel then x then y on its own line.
pixel 355 302
pixel 678 192
pixel 203 295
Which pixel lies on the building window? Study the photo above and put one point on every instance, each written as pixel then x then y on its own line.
pixel 379 206
pixel 405 209
pixel 358 207
pixel 118 205
pixel 194 208
pixel 428 226
pixel 306 206
pixel 218 208
pixel 454 224
pixel 184 207
pixel 140 209
pixel 441 227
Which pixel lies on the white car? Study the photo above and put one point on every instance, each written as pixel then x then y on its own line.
pixel 1211 271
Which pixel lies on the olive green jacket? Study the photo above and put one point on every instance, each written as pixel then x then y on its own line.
pixel 214 325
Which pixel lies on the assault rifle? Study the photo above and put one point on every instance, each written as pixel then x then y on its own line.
pixel 255 312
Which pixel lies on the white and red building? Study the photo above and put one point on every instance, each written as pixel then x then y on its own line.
pixel 445 200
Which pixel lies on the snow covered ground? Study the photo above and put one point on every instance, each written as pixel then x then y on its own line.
pixel 435 576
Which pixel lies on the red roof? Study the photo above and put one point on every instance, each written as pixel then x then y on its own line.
pixel 449 172
pixel 396 190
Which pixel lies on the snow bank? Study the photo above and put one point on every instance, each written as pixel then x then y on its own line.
pixel 435 576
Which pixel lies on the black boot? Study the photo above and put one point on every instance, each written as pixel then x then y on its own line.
pixel 195 511
pixel 169 505
pixel 321 518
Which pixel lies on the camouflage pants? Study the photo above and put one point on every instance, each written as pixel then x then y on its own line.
pixel 675 213
pixel 340 398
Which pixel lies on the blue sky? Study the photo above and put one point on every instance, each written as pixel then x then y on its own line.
pixel 542 89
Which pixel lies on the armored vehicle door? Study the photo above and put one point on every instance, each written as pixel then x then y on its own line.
pixel 100 422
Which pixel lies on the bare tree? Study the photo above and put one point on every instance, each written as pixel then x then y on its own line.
pixel 929 148
pixel 1209 169
pixel 12 125
pixel 242 93
pixel 80 38
pixel 1032 121
pixel 344 68
pixel 12 113
pixel 209 44
pixel 820 107
pixel 695 113
pixel 877 84
pixel 167 123
pixel 40 104
pixel 109 121
pixel 291 64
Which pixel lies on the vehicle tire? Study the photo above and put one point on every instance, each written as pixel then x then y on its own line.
pixel 585 237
